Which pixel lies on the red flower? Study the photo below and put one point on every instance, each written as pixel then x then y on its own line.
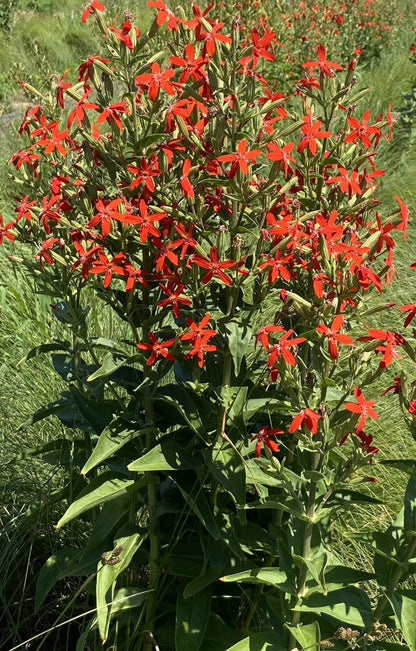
pixel 105 212
pixel 263 437
pixel 260 47
pixel 323 65
pixel 334 335
pixel 53 140
pixel 365 441
pixel 210 37
pixel 174 298
pixel 93 5
pixel 4 230
pixel 155 80
pixel 144 173
pixel 388 349
pixel 310 131
pixel 412 408
pixel 184 182
pixel 240 159
pixel 78 112
pixel 62 85
pixel 191 67
pixel 346 183
pixel 86 68
pixel 411 308
pixel 144 219
pixel 361 130
pixel 404 215
pixel 306 417
pixel 263 334
pixel 158 348
pixel 214 267
pixel 123 34
pixel 84 259
pixel 362 407
pixel 277 266
pixel 165 14
pixel 282 154
pixel 198 338
pixel 111 114
pixel 281 348
pixel 396 387
pixel 44 251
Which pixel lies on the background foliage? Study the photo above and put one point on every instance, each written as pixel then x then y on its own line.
pixel 393 71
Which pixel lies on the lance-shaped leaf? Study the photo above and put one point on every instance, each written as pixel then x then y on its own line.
pixel 198 504
pixel 307 636
pixel 167 455
pixel 112 438
pixel 409 520
pixel 181 401
pixel 239 337
pixel 228 469
pixel 263 576
pixel 97 413
pixel 106 579
pixel 108 486
pixel 56 567
pixel 405 615
pixel 316 567
pixel 264 641
pixel 349 605
pixel 192 615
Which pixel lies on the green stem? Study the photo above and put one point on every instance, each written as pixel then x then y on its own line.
pixel 306 548
pixel 152 488
pixel 396 577
pixel 258 590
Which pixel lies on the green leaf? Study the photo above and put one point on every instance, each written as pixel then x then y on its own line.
pixel 308 636
pixel 45 411
pixel 239 338
pixel 228 469
pixel 97 413
pixel 409 518
pixel 391 646
pixel 346 575
pixel 263 576
pixel 82 640
pixel 218 635
pixel 234 400
pixel 106 580
pixel 256 537
pixel 112 438
pixel 108 486
pixel 107 367
pixel 183 402
pixel 265 405
pixel 316 567
pixel 406 465
pixel 216 558
pixel 47 348
pixel 198 503
pixel 192 615
pixel 405 616
pixel 346 496
pixel 126 599
pixel 167 455
pixel 55 568
pixel 264 641
pixel 349 605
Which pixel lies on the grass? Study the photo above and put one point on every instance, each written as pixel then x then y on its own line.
pixel 43 32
